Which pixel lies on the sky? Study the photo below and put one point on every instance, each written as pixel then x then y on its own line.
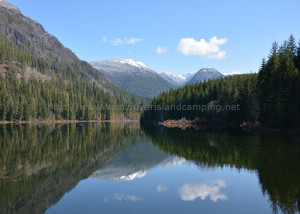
pixel 169 35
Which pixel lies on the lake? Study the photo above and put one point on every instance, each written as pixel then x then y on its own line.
pixel 125 168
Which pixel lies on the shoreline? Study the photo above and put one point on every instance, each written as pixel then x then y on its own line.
pixel 255 128
pixel 67 121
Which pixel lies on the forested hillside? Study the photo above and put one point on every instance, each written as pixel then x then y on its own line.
pixel 41 79
pixel 44 96
pixel 271 97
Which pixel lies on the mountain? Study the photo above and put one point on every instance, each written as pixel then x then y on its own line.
pixel 177 79
pixel 133 76
pixel 205 74
pixel 55 83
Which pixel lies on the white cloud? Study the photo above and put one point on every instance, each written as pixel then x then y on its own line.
pixel 161 50
pixel 161 189
pixel 133 198
pixel 104 39
pixel 209 50
pixel 189 192
pixel 130 41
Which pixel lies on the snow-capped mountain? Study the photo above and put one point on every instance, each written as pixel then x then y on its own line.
pixel 133 76
pixel 205 74
pixel 177 79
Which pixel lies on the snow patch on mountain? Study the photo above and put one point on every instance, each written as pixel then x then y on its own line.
pixel 130 62
pixel 177 79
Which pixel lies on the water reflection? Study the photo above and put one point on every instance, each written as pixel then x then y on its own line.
pixel 39 164
pixel 134 162
pixel 120 197
pixel 122 164
pixel 211 189
pixel 161 189
pixel 275 159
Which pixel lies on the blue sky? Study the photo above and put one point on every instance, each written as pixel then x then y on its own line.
pixel 175 36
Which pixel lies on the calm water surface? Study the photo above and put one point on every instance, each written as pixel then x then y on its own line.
pixel 123 168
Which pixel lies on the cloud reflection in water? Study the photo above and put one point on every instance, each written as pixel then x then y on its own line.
pixel 190 191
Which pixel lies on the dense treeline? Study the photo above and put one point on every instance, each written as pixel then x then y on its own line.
pixel 66 96
pixel 272 96
pixel 279 85
pixel 222 98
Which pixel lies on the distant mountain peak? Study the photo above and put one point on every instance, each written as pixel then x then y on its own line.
pixel 206 73
pixel 9 6
pixel 208 69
